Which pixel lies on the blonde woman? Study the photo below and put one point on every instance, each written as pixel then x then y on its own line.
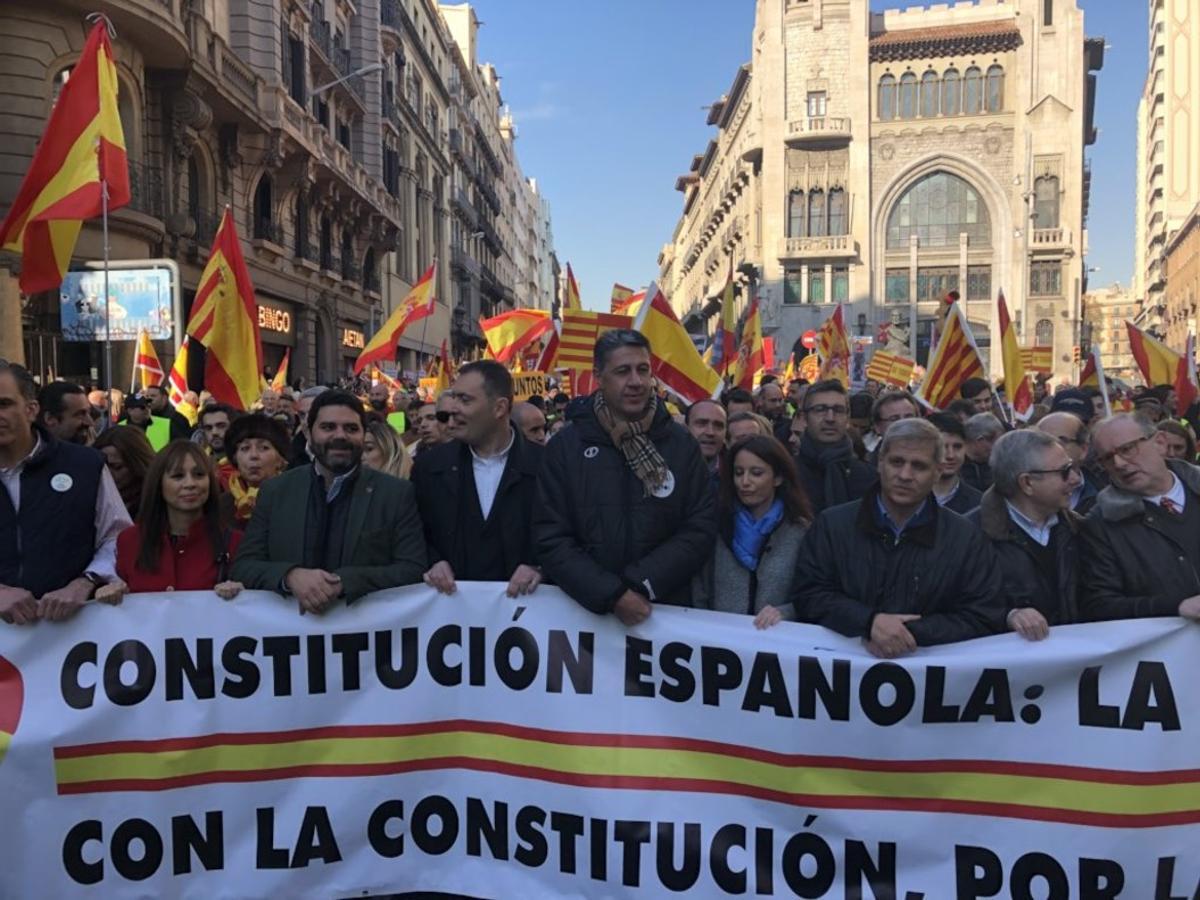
pixel 385 452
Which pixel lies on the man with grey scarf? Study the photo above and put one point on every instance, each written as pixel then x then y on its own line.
pixel 625 513
pixel 829 471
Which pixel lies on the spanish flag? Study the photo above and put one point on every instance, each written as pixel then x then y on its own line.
pixel 675 361
pixel 833 348
pixel 750 360
pixel 80 156
pixel 12 700
pixel 1016 382
pixel 147 370
pixel 224 320
pixel 177 383
pixel 1161 365
pixel 1093 376
pixel 955 359
pixel 572 301
pixel 548 360
pixel 509 333
pixel 724 342
pixel 620 298
pixel 279 382
pixel 416 306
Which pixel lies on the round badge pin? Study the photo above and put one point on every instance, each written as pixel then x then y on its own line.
pixel 665 489
pixel 591 452
pixel 62 482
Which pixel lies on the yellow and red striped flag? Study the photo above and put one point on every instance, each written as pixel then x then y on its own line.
pixel 548 359
pixel 581 329
pixel 1038 359
pixel 724 342
pixel 81 154
pixel 416 306
pixel 955 359
pixel 675 361
pixel 378 376
pixel 1093 376
pixel 572 300
pixel 810 367
pixel 749 360
pixel 890 368
pixel 1016 382
pixel 833 348
pixel 177 383
pixel 147 370
pixel 509 333
pixel 1161 365
pixel 225 321
pixel 620 298
pixel 279 382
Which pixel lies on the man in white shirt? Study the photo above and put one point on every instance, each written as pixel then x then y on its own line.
pixel 476 492
pixel 60 513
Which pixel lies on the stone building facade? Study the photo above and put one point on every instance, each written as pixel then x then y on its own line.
pixel 1106 311
pixel 883 160
pixel 1181 265
pixel 324 125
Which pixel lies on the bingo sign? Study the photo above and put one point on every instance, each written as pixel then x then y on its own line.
pixel 139 299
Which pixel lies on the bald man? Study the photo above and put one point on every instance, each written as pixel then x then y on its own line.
pixel 1073 434
pixel 531 422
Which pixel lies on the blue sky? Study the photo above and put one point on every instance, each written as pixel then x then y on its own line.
pixel 608 99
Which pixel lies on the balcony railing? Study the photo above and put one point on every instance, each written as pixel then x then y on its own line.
pixel 818 128
pixel 266 230
pixel 834 245
pixel 350 272
pixel 462 261
pixel 1051 237
pixel 146 189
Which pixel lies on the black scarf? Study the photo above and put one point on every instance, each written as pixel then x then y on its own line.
pixel 830 460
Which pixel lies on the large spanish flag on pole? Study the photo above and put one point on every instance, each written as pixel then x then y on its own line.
pixel 416 306
pixel 955 359
pixel 279 382
pixel 1016 382
pixel 1161 365
pixel 80 156
pixel 750 359
pixel 724 342
pixel 225 321
pixel 676 362
pixel 147 370
pixel 511 332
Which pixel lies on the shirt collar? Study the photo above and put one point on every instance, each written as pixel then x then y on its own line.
pixel 885 520
pixel 334 489
pixel 496 457
pixel 943 499
pixel 1039 532
pixel 20 464
pixel 1177 494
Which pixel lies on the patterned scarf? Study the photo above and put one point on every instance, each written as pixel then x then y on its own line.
pixel 244 497
pixel 632 437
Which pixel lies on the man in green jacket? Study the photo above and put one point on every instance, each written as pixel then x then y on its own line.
pixel 332 530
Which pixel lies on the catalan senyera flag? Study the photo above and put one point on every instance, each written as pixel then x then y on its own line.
pixel 225 321
pixel 279 382
pixel 833 348
pixel 572 300
pixel 620 297
pixel 1039 360
pixel 750 359
pixel 147 370
pixel 1016 382
pixel 955 359
pixel 725 335
pixel 674 358
pixel 1161 365
pixel 580 330
pixel 177 383
pixel 509 333
pixel 81 154
pixel 890 368
pixel 416 306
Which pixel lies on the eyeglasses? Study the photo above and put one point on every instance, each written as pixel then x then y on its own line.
pixel 442 416
pixel 1064 473
pixel 822 409
pixel 1124 451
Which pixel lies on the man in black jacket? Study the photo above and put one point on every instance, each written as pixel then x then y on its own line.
pixel 1026 514
pixel 625 514
pixel 951 491
pixel 829 470
pixel 894 568
pixel 981 430
pixel 1141 541
pixel 161 408
pixel 476 492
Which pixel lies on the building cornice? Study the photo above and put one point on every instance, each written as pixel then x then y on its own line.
pixel 945 40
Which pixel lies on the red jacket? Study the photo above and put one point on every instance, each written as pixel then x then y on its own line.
pixel 189 565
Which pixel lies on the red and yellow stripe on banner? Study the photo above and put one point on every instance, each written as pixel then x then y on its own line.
pixel 1039 792
pixel 580 330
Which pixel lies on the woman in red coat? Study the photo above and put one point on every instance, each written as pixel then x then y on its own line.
pixel 177 543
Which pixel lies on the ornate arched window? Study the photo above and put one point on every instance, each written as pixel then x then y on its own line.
pixel 1043 333
pixel 929 95
pixel 951 93
pixel 995 88
pixel 887 98
pixel 937 209
pixel 908 96
pixel 816 213
pixel 973 91
pixel 1045 202
pixel 795 225
pixel 839 221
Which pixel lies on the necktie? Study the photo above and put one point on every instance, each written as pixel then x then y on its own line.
pixel 1170 506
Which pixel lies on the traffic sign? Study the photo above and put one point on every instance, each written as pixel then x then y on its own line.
pixel 809 339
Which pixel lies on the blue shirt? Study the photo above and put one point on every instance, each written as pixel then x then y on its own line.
pixel 1038 532
pixel 884 519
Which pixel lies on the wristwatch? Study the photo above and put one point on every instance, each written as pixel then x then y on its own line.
pixel 95 580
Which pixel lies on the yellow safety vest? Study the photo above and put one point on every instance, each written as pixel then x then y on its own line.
pixel 159 432
pixel 398 422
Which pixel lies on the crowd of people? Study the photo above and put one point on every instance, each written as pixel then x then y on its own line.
pixel 861 512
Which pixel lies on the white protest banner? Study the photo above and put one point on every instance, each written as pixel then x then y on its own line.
pixel 179 746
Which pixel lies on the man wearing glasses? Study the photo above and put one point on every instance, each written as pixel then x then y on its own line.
pixel 889 408
pixel 829 470
pixel 1025 515
pixel 1071 431
pixel 1141 542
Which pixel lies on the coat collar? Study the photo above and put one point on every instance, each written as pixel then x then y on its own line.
pixel 998 525
pixel 1116 505
pixel 925 533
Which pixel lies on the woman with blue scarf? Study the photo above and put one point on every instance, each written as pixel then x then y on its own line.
pixel 762 514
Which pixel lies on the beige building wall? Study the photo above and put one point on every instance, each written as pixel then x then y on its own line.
pixel 1106 311
pixel 1182 263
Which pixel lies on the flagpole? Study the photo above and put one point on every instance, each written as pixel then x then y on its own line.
pixel 425 324
pixel 108 363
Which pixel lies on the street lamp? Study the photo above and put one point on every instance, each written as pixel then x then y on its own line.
pixel 365 70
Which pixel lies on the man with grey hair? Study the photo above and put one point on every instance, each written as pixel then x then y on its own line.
pixel 1027 517
pixel 894 568
pixel 1071 431
pixel 1141 541
pixel 981 431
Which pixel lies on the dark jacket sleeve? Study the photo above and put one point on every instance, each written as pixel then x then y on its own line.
pixel 1104 596
pixel 406 563
pixel 253 565
pixel 180 429
pixel 817 595
pixel 564 561
pixel 978 609
pixel 422 482
pixel 671 565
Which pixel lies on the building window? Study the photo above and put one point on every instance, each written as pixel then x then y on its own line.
pixel 937 209
pixel 816 213
pixel 951 93
pixel 60 81
pixel 321 111
pixel 347 254
pixel 1045 279
pixel 263 224
pixel 792 286
pixel 301 236
pixel 908 96
pixel 795 214
pixel 294 68
pixel 1045 202
pixel 995 89
pixel 896 285
pixel 1043 333
pixel 979 283
pixel 973 92
pixel 326 244
pixel 838 220
pixel 933 284
pixel 343 133
pixel 929 95
pixel 816 284
pixel 841 284
pixel 1048 13
pixel 816 104
pixel 887 98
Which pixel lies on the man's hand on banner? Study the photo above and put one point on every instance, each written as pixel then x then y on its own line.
pixel 1029 624
pixel 632 608
pixel 441 578
pixel 17 606
pixel 524 581
pixel 315 589
pixel 112 593
pixel 1190 608
pixel 63 604
pixel 768 616
pixel 889 637
pixel 227 590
